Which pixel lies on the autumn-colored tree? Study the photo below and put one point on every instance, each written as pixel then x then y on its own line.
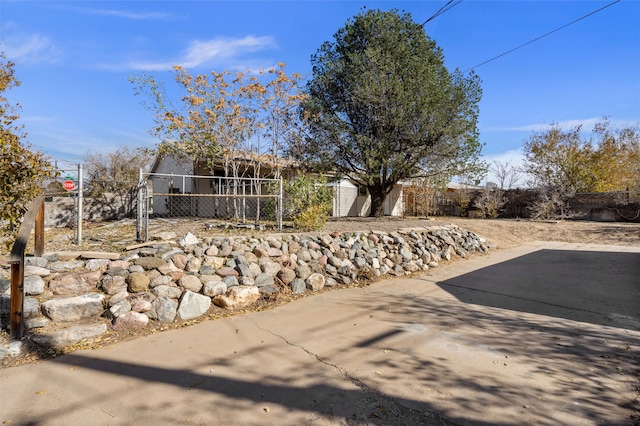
pixel 23 170
pixel 239 121
pixel 607 161
pixel 223 115
pixel 615 161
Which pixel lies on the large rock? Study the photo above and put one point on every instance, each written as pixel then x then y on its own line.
pixel 263 279
pixel 74 308
pixel 214 288
pixel 287 275
pixel 168 291
pixel 180 260
pixel 151 263
pixel 113 284
pixel 298 286
pixel 65 266
pixel 97 264
pixel 191 283
pixel 193 305
pixel 75 284
pixel 36 270
pixel 33 285
pixel 238 297
pixel 271 268
pixel 165 309
pixel 70 336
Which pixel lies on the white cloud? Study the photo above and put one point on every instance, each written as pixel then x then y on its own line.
pixel 125 14
pixel 22 48
pixel 587 125
pixel 201 53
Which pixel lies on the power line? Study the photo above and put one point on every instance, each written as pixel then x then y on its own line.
pixel 542 36
pixel 442 10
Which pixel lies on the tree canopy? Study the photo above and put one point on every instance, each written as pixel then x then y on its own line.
pixel 382 107
pixel 221 114
pixel 23 171
pixel 608 160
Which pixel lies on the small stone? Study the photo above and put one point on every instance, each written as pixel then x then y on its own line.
pixel 214 288
pixel 315 282
pixel 191 283
pixel 226 272
pixel 179 260
pixel 298 286
pixel 138 282
pixel 188 240
pixel 130 321
pixel 231 281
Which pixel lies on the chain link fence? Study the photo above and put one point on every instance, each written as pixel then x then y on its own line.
pixel 227 201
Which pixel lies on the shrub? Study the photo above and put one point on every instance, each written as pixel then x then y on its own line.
pixel 307 202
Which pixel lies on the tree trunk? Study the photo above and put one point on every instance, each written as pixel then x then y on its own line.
pixel 378 194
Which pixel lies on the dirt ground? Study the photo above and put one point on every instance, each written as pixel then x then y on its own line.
pixel 508 233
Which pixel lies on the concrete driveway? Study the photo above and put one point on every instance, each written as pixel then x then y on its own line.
pixel 543 334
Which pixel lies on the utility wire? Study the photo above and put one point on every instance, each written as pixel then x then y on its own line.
pixel 542 36
pixel 442 10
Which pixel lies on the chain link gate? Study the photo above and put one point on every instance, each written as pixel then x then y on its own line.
pixel 239 199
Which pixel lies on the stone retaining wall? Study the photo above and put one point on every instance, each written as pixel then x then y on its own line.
pixel 178 280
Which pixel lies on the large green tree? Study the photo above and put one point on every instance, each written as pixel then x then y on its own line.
pixel 23 171
pixel 382 107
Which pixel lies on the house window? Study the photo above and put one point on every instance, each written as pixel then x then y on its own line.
pixel 362 191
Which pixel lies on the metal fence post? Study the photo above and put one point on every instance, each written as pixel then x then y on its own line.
pixel 139 208
pixel 79 224
pixel 280 207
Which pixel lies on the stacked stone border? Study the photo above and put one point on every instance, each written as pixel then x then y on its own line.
pixel 73 296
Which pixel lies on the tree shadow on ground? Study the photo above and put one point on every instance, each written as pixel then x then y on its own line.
pixel 589 286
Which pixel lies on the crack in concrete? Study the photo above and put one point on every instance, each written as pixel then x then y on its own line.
pixel 403 413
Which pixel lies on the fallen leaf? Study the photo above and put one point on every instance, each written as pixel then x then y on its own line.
pixel 379 373
pixel 41 392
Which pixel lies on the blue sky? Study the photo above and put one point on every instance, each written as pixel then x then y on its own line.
pixel 73 59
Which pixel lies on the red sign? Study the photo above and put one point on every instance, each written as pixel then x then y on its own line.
pixel 69 185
